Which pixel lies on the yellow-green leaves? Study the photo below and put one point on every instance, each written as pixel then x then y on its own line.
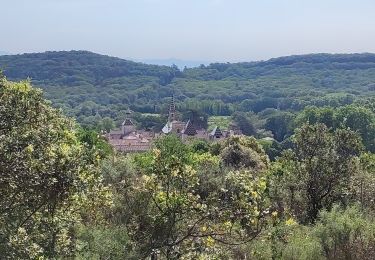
pixel 47 177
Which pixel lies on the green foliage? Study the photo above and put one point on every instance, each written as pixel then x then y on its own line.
pixel 363 182
pixel 243 123
pixel 103 243
pixel 281 125
pixel 317 172
pixel 196 200
pixel 200 146
pixel 355 118
pixel 273 148
pixel 106 124
pixel 47 176
pixel 302 246
pixel 198 119
pixel 338 234
pixel 94 143
pixel 179 202
pixel 368 103
pixel 92 87
pixel 221 121
pixel 346 234
pixel 243 152
pixel 153 122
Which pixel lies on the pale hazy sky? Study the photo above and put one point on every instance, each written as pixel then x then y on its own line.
pixel 206 30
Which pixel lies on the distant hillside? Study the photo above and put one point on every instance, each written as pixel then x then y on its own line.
pixel 86 84
pixel 297 64
pixel 4 53
pixel 77 67
pixel 179 63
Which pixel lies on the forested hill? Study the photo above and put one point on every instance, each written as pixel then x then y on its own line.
pixel 77 67
pixel 68 66
pixel 295 64
pixel 87 84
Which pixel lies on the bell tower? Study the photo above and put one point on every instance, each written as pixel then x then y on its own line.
pixel 172 110
pixel 127 126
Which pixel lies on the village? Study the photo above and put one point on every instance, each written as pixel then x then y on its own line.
pixel 129 139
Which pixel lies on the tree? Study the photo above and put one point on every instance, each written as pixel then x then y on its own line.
pixel 315 115
pixel 357 118
pixel 44 173
pixel 361 120
pixel 244 123
pixel 319 168
pixel 242 152
pixel 363 182
pixel 178 214
pixel 281 125
pixel 197 118
pixel 106 124
pixel 200 146
pixel 94 143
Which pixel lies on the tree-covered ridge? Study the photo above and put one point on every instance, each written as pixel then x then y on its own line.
pixel 300 64
pixel 86 84
pixel 71 67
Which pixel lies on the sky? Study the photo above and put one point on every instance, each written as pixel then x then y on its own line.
pixel 195 30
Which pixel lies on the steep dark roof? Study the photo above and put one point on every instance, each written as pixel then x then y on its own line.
pixel 216 132
pixel 127 121
pixel 190 129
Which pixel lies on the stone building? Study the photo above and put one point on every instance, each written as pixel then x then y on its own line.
pixel 130 140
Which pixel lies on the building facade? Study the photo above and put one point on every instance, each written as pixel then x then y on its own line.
pixel 130 140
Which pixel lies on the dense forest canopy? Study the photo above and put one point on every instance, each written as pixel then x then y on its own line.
pixel 93 86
